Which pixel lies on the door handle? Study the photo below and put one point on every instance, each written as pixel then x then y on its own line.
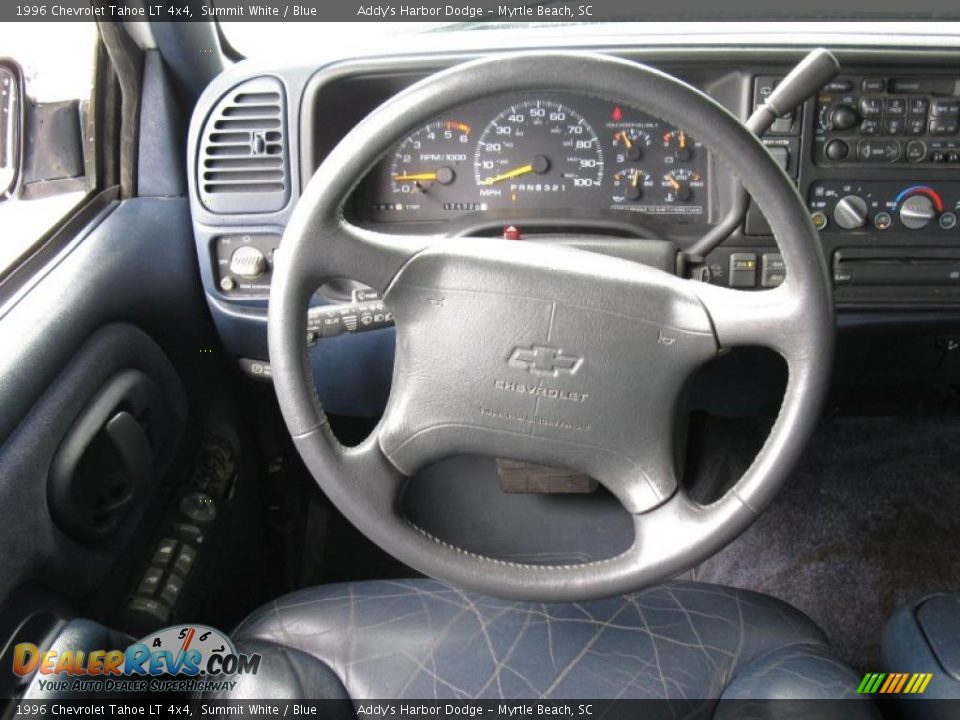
pixel 105 461
pixel 132 445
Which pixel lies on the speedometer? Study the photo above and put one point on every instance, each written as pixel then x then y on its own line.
pixel 537 147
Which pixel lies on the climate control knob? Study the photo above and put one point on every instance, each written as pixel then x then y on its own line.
pixel 248 262
pixel 851 212
pixel 916 212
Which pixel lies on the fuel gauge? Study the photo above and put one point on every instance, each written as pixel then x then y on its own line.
pixel 630 144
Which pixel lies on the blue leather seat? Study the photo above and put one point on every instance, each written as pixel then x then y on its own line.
pixel 423 639
pixel 922 637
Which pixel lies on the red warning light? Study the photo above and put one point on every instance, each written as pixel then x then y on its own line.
pixel 617 114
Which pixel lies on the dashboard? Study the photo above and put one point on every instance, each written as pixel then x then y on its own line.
pixel 534 154
pixel 875 155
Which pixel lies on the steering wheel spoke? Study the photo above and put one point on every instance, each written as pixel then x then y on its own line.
pixel 342 249
pixel 767 318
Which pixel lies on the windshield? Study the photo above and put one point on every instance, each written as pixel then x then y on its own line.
pixel 266 39
pixel 257 39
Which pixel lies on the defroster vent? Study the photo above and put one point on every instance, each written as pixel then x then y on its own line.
pixel 243 165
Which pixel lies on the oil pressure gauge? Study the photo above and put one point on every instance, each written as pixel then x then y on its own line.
pixel 630 184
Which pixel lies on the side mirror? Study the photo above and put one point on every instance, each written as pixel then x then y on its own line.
pixel 11 128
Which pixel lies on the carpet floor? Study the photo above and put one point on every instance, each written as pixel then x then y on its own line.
pixel 870 520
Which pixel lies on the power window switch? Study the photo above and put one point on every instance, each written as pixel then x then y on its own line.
pixel 164 552
pixel 184 560
pixel 773 271
pixel 156 611
pixel 743 270
pixel 171 589
pixel 150 582
pixel 189 532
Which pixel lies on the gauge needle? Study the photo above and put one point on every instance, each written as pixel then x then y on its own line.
pixel 682 140
pixel 635 178
pixel 626 141
pixel 516 172
pixel 673 181
pixel 416 176
pixel 540 164
pixel 442 175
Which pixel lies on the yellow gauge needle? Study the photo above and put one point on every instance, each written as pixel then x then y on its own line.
pixel 682 140
pixel 626 141
pixel 516 172
pixel 416 176
pixel 635 179
pixel 673 181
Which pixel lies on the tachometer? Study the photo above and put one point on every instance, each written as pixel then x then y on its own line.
pixel 537 147
pixel 428 162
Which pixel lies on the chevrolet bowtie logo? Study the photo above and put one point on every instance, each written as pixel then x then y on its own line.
pixel 542 360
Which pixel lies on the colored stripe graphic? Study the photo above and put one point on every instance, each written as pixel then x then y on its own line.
pixel 903 680
pixel 894 683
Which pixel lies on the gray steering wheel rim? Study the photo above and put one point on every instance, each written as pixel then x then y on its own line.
pixel 795 319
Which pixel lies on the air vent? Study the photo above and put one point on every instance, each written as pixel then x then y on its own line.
pixel 243 151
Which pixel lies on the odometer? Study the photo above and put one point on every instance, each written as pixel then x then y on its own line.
pixel 537 147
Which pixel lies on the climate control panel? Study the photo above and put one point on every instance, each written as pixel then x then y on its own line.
pixel 847 206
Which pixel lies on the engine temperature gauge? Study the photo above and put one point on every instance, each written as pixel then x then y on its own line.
pixel 680 184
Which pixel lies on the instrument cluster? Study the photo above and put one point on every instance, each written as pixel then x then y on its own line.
pixel 537 154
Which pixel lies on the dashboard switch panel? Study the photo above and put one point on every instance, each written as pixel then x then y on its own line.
pixel 243 263
pixel 743 270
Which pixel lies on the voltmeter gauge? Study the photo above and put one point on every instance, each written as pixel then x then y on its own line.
pixel 679 146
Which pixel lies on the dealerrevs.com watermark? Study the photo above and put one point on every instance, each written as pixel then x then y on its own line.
pixel 181 658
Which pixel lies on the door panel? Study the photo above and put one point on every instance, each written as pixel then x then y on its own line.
pixel 37 547
pixel 124 296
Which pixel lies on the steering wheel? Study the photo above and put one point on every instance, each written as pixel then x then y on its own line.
pixel 551 355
